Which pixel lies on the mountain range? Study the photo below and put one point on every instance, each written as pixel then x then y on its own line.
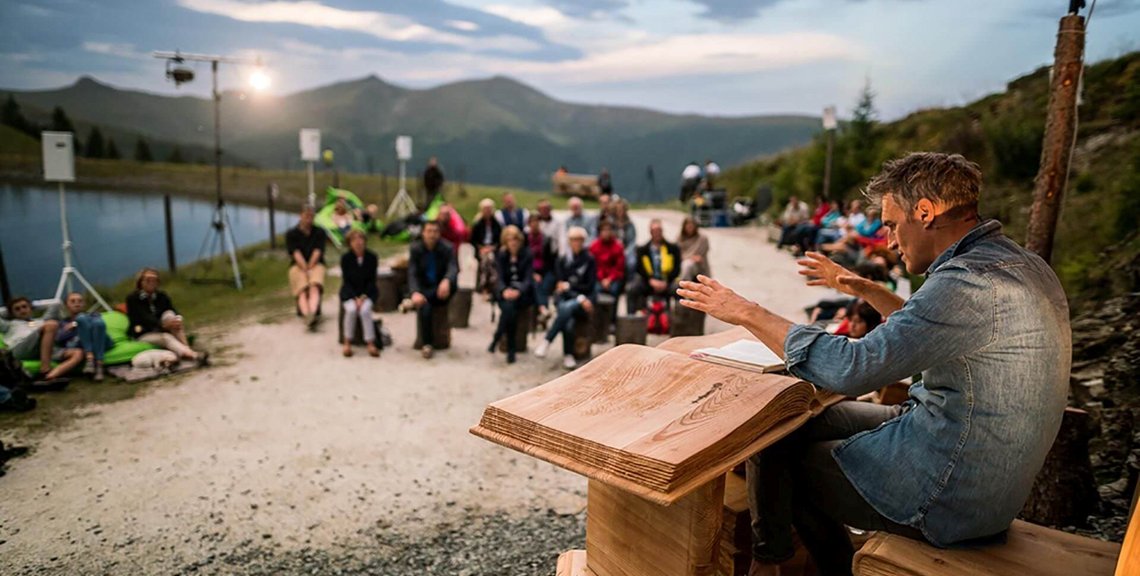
pixel 488 131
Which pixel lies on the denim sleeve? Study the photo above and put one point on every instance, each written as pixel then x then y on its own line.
pixel 952 315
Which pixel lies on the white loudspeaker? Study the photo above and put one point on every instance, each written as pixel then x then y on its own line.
pixel 59 156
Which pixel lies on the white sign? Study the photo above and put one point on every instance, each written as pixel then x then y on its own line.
pixel 59 157
pixel 310 144
pixel 830 122
pixel 404 148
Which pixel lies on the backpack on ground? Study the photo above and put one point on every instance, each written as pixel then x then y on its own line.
pixel 12 373
pixel 658 320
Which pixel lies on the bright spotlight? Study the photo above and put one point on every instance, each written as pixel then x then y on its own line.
pixel 259 80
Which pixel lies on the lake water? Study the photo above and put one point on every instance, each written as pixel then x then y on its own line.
pixel 114 234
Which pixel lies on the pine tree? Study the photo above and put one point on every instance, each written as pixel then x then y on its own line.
pixel 61 123
pixel 142 151
pixel 10 115
pixel 112 150
pixel 95 146
pixel 176 156
pixel 862 131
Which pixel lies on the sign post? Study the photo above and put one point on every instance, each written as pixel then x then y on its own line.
pixel 402 203
pixel 311 152
pixel 830 124
pixel 59 166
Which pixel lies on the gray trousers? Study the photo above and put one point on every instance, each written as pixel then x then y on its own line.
pixel 796 482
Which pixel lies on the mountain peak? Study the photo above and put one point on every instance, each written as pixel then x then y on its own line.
pixel 86 81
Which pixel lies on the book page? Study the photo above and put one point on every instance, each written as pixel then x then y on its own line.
pixel 752 352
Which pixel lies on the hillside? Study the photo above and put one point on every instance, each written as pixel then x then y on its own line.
pixel 494 131
pixel 1003 132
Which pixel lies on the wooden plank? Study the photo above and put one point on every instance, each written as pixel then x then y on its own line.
pixel 629 536
pixel 572 563
pixel 1129 562
pixel 1030 550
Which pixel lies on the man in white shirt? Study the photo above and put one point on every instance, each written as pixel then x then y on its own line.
pixel 796 212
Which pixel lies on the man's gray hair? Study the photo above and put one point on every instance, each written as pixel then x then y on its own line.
pixel 947 179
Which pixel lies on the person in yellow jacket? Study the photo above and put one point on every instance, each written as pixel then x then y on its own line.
pixel 658 267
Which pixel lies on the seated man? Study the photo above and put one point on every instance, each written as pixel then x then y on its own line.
pixel 31 339
pixel 305 244
pixel 658 266
pixel 989 330
pixel 576 292
pixel 432 275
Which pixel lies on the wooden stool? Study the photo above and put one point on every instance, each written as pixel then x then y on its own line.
pixel 603 315
pixel 522 330
pixel 460 306
pixel 583 337
pixel 631 330
pixel 388 292
pixel 440 326
pixel 401 273
pixel 686 321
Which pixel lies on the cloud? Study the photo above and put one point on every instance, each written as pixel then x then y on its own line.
pixel 734 9
pixel 381 25
pixel 114 49
pixel 538 16
pixel 589 9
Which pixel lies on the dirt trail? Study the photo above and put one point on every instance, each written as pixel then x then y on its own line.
pixel 292 447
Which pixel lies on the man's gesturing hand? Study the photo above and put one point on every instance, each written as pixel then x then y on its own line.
pixel 715 299
pixel 822 271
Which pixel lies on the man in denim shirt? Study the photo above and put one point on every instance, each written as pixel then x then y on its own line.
pixel 988 330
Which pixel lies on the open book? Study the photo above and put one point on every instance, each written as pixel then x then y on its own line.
pixel 650 421
pixel 744 354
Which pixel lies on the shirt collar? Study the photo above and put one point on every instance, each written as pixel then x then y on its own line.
pixel 982 231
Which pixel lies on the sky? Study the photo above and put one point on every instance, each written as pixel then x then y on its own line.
pixel 715 57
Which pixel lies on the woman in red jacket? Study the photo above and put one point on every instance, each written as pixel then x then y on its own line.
pixel 609 255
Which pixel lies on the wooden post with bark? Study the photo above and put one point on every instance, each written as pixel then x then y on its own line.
pixel 1060 134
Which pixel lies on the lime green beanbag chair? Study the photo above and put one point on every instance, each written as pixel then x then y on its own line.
pixel 121 353
pixel 323 217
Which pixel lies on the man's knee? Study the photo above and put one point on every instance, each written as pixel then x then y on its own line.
pixel 51 325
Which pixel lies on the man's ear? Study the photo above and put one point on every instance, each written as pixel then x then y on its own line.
pixel 924 212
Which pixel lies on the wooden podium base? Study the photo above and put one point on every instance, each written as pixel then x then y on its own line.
pixel 572 563
pixel 627 535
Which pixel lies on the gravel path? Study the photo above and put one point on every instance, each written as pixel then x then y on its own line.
pixel 293 460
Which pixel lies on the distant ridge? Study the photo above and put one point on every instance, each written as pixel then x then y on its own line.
pixel 493 130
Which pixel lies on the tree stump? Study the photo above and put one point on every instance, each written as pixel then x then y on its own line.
pixel 686 321
pixel 1064 493
pixel 460 307
pixel 631 330
pixel 441 328
pixel 583 337
pixel 602 317
pixel 388 292
pixel 522 330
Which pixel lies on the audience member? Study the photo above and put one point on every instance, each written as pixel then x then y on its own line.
pixel 551 227
pixel 515 289
pixel 305 244
pixel 511 214
pixel 609 259
pixel 485 238
pixel 711 173
pixel 626 233
pixel 358 291
pixel 605 210
pixel 432 277
pixel 544 255
pixel 796 212
pixel 577 219
pixel 575 292
pixel 694 250
pixel 342 217
pixel 84 331
pixel 690 180
pixel 433 179
pixel 451 225
pixel 155 321
pixel 658 267
pixel 861 319
pixel 29 338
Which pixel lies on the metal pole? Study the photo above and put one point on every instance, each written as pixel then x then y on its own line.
pixel 312 186
pixel 67 264
pixel 167 212
pixel 5 288
pixel 827 165
pixel 272 224
pixel 217 133
pixel 1060 136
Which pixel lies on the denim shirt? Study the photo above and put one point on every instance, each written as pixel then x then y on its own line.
pixel 989 330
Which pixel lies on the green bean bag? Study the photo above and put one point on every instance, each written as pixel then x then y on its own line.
pixel 122 352
pixel 324 216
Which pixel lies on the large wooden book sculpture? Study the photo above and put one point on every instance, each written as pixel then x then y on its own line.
pixel 655 431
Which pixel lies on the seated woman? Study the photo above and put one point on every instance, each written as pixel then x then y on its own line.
pixel 155 321
pixel 485 238
pixel 575 292
pixel 80 330
pixel 342 217
pixel 515 289
pixel 358 291
pixel 694 250
pixel 543 254
pixel 861 319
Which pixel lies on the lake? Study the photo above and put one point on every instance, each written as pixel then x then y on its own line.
pixel 114 234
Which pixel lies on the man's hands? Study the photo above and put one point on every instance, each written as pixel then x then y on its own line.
pixel 821 271
pixel 444 289
pixel 715 299
pixel 587 306
pixel 418 299
pixel 510 294
pixel 606 282
pixel 561 287
pixel 657 285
